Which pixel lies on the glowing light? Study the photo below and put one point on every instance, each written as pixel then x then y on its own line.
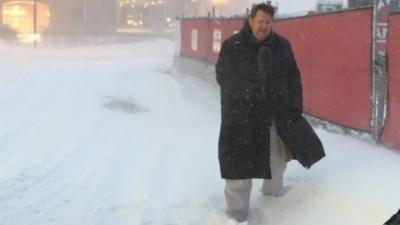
pixel 34 37
pixel 219 2
pixel 18 15
pixel 29 37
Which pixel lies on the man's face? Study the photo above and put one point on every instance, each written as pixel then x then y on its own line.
pixel 261 25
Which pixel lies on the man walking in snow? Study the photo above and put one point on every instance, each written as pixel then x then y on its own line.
pixel 261 106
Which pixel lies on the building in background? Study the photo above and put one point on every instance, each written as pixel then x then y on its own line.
pixel 220 8
pixel 161 15
pixel 394 5
pixel 18 16
pixel 359 3
pixel 94 17
pixel 59 17
pixel 329 5
pixel 144 15
pixel 102 17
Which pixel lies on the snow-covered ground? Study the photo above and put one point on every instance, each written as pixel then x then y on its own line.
pixel 106 136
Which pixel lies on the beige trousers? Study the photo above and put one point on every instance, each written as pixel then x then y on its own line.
pixel 237 192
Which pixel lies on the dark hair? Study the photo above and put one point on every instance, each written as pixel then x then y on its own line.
pixel 268 9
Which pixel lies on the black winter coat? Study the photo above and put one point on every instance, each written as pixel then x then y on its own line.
pixel 260 81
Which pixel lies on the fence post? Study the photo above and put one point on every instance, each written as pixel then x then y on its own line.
pixel 379 68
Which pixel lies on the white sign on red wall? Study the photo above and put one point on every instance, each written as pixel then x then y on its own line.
pixel 217 39
pixel 195 36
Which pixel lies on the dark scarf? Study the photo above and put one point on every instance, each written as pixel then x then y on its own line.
pixel 268 91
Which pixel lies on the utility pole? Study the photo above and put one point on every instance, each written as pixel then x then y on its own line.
pixel 379 68
pixel 85 15
pixel 1 12
pixel 35 36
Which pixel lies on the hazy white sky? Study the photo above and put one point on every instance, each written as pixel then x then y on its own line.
pixel 288 6
pixel 237 7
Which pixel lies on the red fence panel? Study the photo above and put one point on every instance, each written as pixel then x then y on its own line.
pixel 333 52
pixel 218 28
pixel 227 27
pixel 210 35
pixel 391 135
pixel 195 38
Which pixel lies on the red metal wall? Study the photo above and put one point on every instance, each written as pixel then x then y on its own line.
pixel 333 52
pixel 206 27
pixel 391 134
pixel 227 27
pixel 204 38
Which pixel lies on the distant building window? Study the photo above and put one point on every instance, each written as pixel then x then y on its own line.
pixel 329 5
pixel 18 16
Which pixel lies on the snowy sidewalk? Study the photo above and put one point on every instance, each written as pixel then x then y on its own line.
pixel 106 136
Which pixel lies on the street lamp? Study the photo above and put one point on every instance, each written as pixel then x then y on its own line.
pixel 217 4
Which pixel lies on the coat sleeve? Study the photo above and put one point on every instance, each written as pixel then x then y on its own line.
pixel 225 68
pixel 229 78
pixel 295 89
